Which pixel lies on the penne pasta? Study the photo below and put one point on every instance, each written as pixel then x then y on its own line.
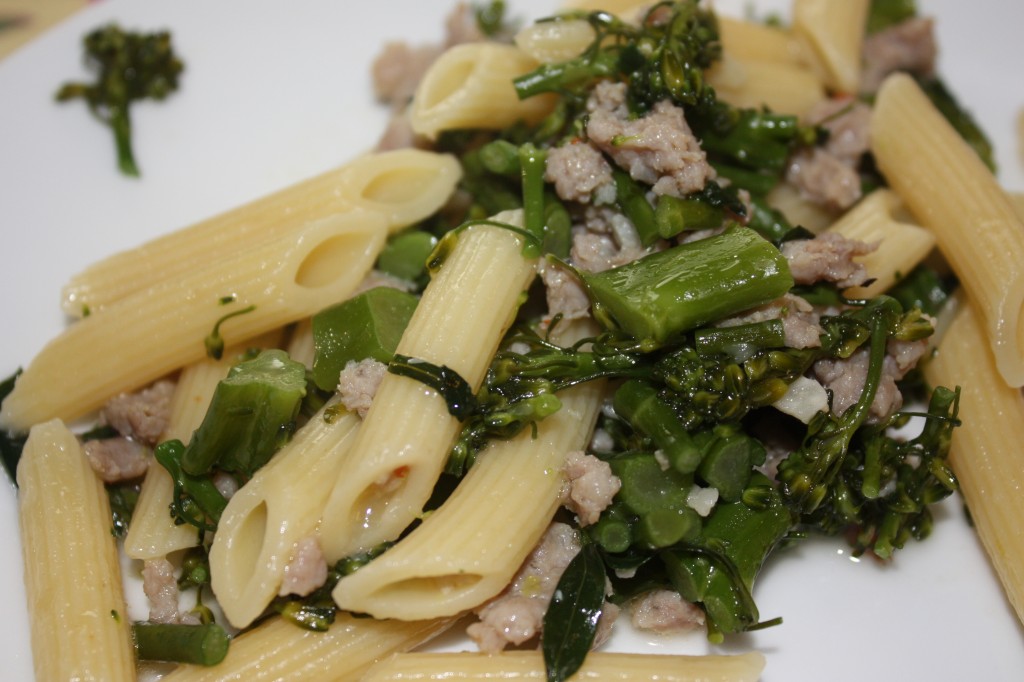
pixel 272 285
pixel 986 450
pixel 470 86
pixel 951 192
pixel 469 549
pixel 273 511
pixel 80 624
pixel 783 87
pixel 280 651
pixel 393 465
pixel 405 186
pixel 599 666
pixel 832 34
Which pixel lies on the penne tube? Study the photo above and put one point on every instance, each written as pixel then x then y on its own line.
pixel 832 34
pixel 470 86
pixel 751 41
pixel 80 624
pixel 599 667
pixel 901 245
pixel 783 87
pixel 280 651
pixel 405 438
pixel 986 451
pixel 156 331
pixel 470 548
pixel 951 192
pixel 405 186
pixel 273 511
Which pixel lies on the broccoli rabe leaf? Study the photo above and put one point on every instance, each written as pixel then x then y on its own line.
pixel 11 444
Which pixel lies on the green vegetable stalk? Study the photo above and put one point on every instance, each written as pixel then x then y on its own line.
pixel 658 297
pixel 131 66
pixel 251 415
pixel 197 644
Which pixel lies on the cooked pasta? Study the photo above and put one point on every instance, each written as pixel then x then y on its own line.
pixel 391 469
pixel 986 454
pixel 947 187
pixel 80 624
pixel 270 285
pixel 528 665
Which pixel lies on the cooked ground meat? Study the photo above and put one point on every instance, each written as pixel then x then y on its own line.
pixel 659 148
pixel 827 175
pixel 141 416
pixel 606 239
pixel 592 485
pixel 907 46
pixel 845 378
pixel 565 294
pixel 824 178
pixel 580 173
pixel 117 459
pixel 358 383
pixel 516 615
pixel 848 122
pixel 827 258
pixel 799 320
pixel 306 570
pixel 664 611
pixel 161 588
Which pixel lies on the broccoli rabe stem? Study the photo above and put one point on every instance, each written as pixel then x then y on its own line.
pixel 637 402
pixel 660 296
pixel 251 415
pixel 197 644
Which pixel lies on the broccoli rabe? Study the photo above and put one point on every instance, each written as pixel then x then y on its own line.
pixel 130 66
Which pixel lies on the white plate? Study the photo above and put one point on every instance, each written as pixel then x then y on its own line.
pixel 277 91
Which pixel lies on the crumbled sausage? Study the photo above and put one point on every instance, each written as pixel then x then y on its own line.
pixel 799 320
pixel 664 611
pixel 592 485
pixel 141 416
pixel 117 459
pixel 161 588
pixel 580 173
pixel 907 46
pixel 606 239
pixel 516 615
pixel 658 148
pixel 358 383
pixel 827 258
pixel 566 296
pixel 824 178
pixel 306 571
pixel 846 378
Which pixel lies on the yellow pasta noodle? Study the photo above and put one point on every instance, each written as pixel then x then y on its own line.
pixel 470 86
pixel 901 245
pixel 986 450
pixel 751 83
pixel 599 666
pixel 404 185
pixel 144 336
pixel 392 467
pixel 460 555
pixel 80 625
pixel 280 651
pixel 833 35
pixel 555 41
pixel 757 42
pixel 951 192
pixel 277 508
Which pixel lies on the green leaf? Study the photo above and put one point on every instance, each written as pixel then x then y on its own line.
pixel 571 619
